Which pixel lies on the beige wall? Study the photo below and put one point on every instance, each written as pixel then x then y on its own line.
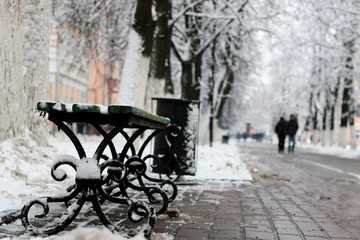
pixel 97 86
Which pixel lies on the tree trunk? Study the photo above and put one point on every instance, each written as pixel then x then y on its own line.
pixel 197 76
pixel 137 60
pixel 305 136
pixel 191 67
pixel 186 81
pixel 345 109
pixel 352 118
pixel 12 108
pixel 348 106
pixel 196 44
pixel 315 128
pixel 332 116
pixel 211 93
pixel 224 92
pixel 324 127
pixel 164 36
pixel 143 24
pixel 23 66
pixel 160 82
pixel 36 66
pixel 309 119
pixel 332 125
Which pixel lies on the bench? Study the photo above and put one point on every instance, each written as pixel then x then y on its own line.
pixel 100 178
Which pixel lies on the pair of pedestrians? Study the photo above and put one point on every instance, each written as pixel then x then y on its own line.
pixel 284 128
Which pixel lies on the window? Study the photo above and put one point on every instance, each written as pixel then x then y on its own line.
pixel 72 96
pixel 357 134
pixel 60 89
pixel 66 93
pixel 51 95
pixel 77 96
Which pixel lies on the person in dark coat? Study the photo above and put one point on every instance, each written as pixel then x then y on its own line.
pixel 292 128
pixel 280 130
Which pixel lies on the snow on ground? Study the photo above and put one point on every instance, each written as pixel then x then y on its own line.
pixel 332 150
pixel 26 170
pixel 338 151
pixel 26 166
pixel 222 161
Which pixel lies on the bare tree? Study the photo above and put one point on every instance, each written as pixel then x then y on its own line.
pixel 23 66
pixel 11 20
pixel 324 34
pixel 193 36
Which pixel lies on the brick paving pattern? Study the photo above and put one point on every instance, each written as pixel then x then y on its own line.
pixel 235 210
pixel 229 210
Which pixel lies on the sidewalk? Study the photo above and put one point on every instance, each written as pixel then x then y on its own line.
pixel 228 209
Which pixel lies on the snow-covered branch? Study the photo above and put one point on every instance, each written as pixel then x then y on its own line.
pixel 204 15
pixel 218 32
pixel 187 8
pixel 352 12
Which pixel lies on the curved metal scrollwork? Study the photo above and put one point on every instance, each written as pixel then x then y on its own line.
pixel 170 189
pixel 44 204
pixel 168 186
pixel 110 181
pixel 141 209
pixel 59 174
pixel 166 155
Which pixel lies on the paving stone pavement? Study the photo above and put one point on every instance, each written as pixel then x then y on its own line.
pixel 230 210
pixel 226 209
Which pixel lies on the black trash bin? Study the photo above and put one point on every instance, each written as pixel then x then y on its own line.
pixel 225 139
pixel 176 148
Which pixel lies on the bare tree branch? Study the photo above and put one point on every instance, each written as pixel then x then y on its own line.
pixel 341 10
pixel 171 23
pixel 203 15
pixel 232 10
pixel 217 34
pixel 176 51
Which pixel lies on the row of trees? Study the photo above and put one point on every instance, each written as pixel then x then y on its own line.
pixel 197 50
pixel 200 50
pixel 318 67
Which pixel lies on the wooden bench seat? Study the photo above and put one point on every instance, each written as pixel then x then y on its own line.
pixel 115 115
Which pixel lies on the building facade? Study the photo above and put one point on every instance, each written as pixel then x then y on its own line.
pixel 68 72
pixel 78 79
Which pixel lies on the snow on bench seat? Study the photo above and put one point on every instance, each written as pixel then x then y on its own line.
pixel 94 113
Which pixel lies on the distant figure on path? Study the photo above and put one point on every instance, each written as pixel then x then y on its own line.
pixel 280 130
pixel 292 128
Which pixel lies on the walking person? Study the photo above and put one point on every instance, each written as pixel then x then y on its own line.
pixel 292 128
pixel 280 130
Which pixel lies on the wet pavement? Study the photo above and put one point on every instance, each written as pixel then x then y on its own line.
pixel 285 202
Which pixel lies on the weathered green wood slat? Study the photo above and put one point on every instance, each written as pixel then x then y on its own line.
pixel 110 114
pixel 119 110
pixel 85 108
pixel 51 107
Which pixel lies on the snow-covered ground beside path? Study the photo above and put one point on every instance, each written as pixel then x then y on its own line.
pixel 341 152
pixel 26 168
pixel 332 150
